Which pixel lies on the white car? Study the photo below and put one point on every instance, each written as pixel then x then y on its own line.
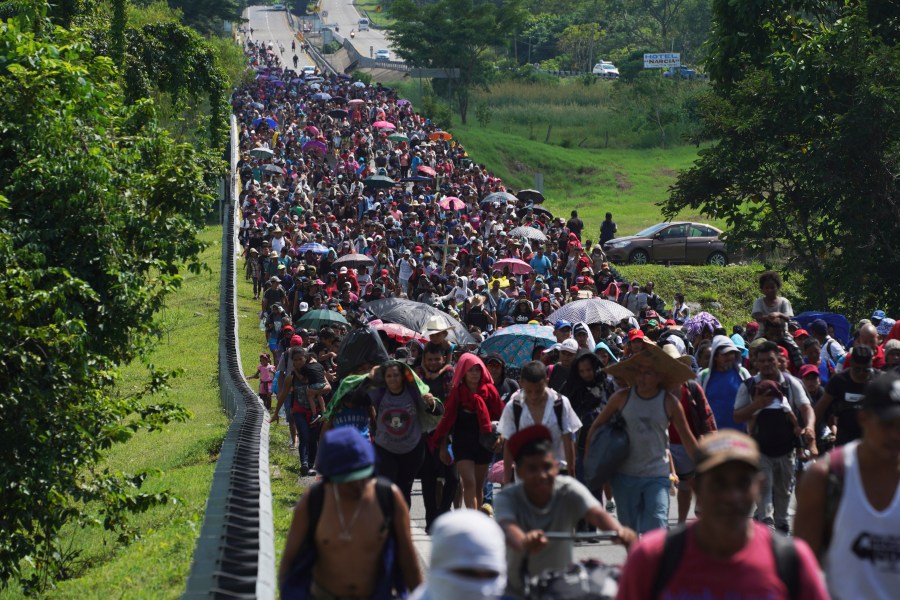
pixel 308 70
pixel 382 54
pixel 605 70
pixel 278 7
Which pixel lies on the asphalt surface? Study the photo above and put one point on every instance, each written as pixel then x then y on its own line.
pixel 344 13
pixel 271 25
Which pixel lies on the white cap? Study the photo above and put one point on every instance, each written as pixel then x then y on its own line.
pixel 568 345
pixel 303 307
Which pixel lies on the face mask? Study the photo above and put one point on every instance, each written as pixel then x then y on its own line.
pixel 446 584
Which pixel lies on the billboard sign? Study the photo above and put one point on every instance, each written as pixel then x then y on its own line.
pixel 662 60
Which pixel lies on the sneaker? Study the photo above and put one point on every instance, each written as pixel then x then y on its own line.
pixel 611 506
pixel 304 470
pixel 313 473
pixel 292 445
pixel 488 510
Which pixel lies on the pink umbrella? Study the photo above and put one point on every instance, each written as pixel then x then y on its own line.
pixel 516 266
pixel 312 130
pixel 383 125
pixel 427 170
pixel 315 146
pixel 356 102
pixel 451 203
pixel 397 332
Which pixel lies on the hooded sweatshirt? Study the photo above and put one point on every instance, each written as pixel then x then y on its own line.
pixel 721 387
pixel 484 401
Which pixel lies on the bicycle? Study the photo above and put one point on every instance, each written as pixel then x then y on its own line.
pixel 586 579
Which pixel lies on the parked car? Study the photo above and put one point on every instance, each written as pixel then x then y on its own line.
pixel 308 70
pixel 681 242
pixel 605 70
pixel 382 54
pixel 682 72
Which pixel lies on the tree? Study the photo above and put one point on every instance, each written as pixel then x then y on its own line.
pixel 581 42
pixel 454 34
pixel 804 108
pixel 102 210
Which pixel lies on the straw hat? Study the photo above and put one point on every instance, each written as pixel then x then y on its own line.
pixel 672 351
pixel 672 371
pixel 435 324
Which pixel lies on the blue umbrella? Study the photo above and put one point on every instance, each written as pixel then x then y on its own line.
pixel 269 121
pixel 515 344
pixel 322 96
pixel 839 322
pixel 314 248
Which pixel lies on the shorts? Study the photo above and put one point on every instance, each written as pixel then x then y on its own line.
pixel 316 387
pixel 684 466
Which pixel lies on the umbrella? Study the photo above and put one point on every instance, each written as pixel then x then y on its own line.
pixel 262 153
pixel 356 102
pixel 312 130
pixel 398 137
pixel 272 123
pixel 403 102
pixel 359 84
pixel 540 210
pixel 515 344
pixel 416 178
pixel 323 96
pixel 451 203
pixel 273 169
pixel 315 86
pixel 314 248
pixel 258 105
pixel 383 125
pixel 379 181
pixel 516 266
pixel 316 319
pixel 529 233
pixel 413 315
pixel 339 100
pixel 591 310
pixel 839 322
pixel 339 113
pixel 397 332
pixel 533 196
pixel 499 198
pixel 442 136
pixel 702 320
pixel 315 146
pixel 354 261
pixel 427 170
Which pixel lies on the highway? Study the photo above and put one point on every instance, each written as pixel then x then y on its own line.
pixel 345 15
pixel 272 26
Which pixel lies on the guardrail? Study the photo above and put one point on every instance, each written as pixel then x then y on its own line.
pixel 235 554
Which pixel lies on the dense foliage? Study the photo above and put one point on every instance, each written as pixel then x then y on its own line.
pixel 100 210
pixel 805 108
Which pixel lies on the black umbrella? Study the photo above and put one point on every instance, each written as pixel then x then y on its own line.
pixel 379 181
pixel 532 196
pixel 273 169
pixel 339 100
pixel 354 261
pixel 339 113
pixel 412 314
pixel 417 178
pixel 499 197
pixel 538 210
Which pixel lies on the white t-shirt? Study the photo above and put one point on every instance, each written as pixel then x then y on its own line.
pixel 406 268
pixel 570 421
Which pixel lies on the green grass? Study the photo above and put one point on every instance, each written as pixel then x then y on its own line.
pixel 157 564
pixel 285 491
pixel 381 18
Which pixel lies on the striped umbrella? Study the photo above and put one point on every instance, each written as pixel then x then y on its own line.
pixel 591 310
pixel 314 248
pixel 529 233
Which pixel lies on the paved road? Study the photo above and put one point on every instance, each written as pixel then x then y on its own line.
pixel 272 26
pixel 346 16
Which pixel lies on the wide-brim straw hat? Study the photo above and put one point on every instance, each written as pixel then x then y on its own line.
pixel 671 371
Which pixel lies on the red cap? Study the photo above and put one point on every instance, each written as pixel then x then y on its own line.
pixel 525 436
pixel 808 370
pixel 286 328
pixel 800 333
pixel 384 272
pixel 669 322
pixel 635 334
pixel 752 327
pixel 574 289
pixel 296 340
pixel 417 249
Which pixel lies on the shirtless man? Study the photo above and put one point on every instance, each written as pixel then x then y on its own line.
pixel 350 529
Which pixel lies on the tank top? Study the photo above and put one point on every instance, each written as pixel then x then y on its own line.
pixel 863 559
pixel 647 423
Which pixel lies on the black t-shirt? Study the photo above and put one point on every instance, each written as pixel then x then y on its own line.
pixel 575 225
pixel 314 373
pixel 846 398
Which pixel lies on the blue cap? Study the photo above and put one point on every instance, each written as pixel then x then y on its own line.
pixel 562 324
pixel 345 456
pixel 878 314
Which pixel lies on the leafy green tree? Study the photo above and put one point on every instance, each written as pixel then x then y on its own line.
pixel 804 108
pixel 581 43
pixel 454 34
pixel 102 210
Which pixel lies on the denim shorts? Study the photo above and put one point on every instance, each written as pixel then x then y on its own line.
pixel 317 386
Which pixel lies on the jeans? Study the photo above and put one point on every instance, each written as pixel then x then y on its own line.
pixel 401 469
pixel 642 503
pixel 432 470
pixel 488 486
pixel 775 495
pixel 309 439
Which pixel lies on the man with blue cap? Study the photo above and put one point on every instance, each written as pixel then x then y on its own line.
pixel 562 330
pixel 350 518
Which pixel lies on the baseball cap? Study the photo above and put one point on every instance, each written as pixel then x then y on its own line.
pixel 877 314
pixel 883 397
pixel 534 433
pixel 808 370
pixel 568 345
pixel 343 270
pixel 562 324
pixel 635 334
pixel 800 333
pixel 724 446
pixel 303 307
pixel 819 326
pixel 345 456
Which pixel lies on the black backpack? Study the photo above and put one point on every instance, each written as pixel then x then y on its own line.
pixel 557 410
pixel 774 432
pixel 787 562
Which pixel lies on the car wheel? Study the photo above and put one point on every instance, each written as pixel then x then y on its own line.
pixel 717 259
pixel 639 257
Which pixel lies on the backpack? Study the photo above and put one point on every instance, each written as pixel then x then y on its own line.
pixel 699 417
pixel 297 585
pixel 518 407
pixel 787 562
pixel 834 489
pixel 774 431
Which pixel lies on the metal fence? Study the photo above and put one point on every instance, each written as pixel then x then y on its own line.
pixel 235 555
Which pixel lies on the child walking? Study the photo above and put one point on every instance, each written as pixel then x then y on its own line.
pixel 265 372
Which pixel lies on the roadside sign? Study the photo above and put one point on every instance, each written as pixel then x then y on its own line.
pixel 662 60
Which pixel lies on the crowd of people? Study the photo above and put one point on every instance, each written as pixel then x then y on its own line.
pixel 349 198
